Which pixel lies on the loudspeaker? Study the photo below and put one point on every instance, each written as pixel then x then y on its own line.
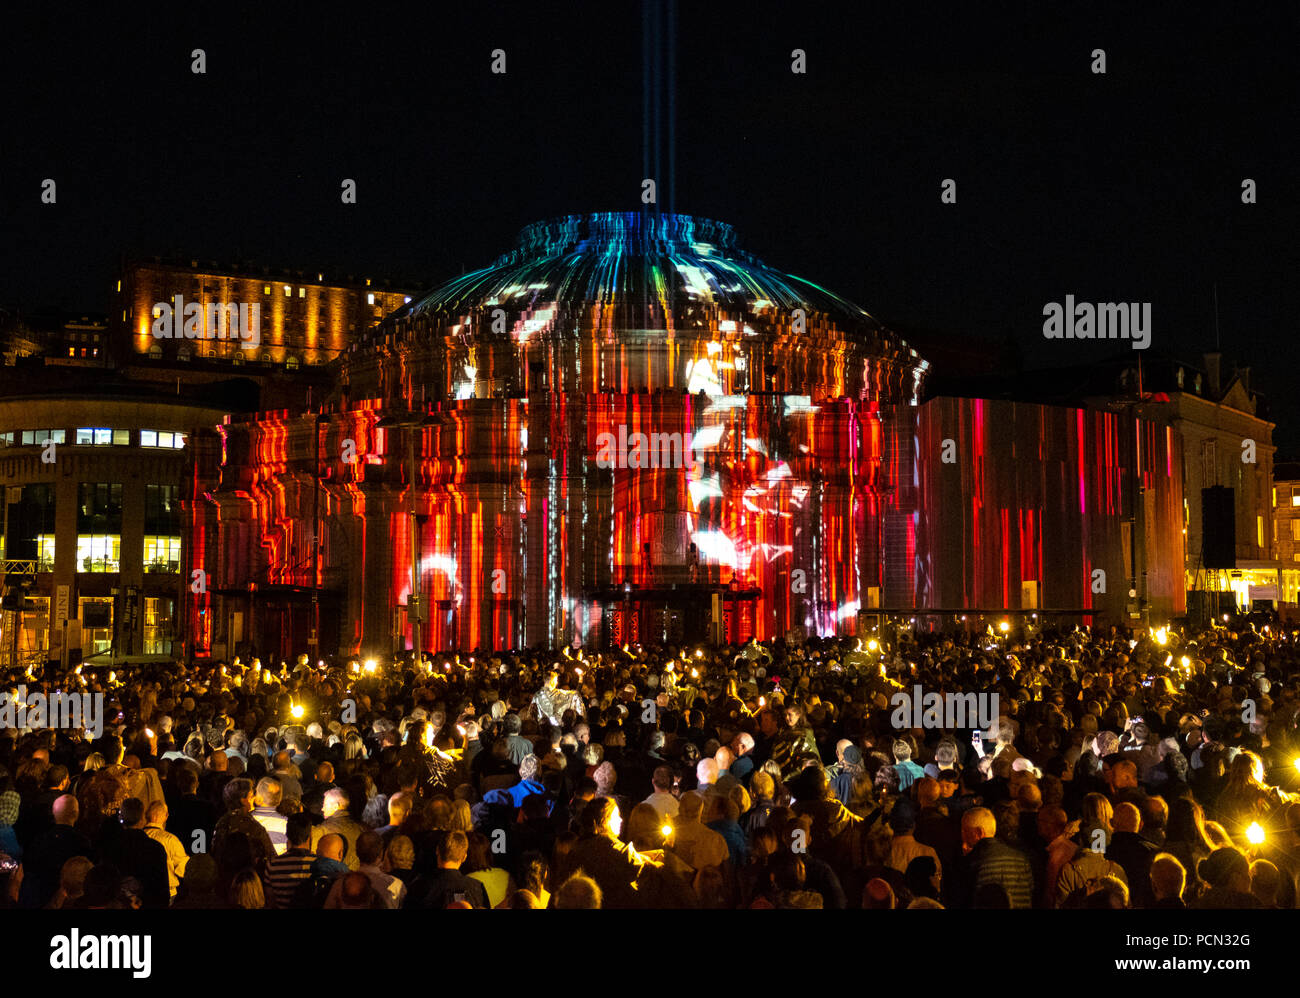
pixel 1219 527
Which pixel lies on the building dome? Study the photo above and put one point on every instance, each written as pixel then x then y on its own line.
pixel 626 302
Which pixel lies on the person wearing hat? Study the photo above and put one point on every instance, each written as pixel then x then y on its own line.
pixel 849 769
pixel 1227 871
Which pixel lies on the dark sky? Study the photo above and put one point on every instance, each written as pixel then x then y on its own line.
pixel 1122 187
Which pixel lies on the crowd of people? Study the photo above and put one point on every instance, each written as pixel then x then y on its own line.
pixel 1145 770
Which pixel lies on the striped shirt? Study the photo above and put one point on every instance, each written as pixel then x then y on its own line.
pixel 285 872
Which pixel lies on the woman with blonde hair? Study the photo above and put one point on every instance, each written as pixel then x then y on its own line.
pixel 461 818
pixel 1246 798
pixel 72 882
pixel 246 890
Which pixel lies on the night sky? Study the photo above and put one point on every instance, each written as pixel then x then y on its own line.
pixel 1122 187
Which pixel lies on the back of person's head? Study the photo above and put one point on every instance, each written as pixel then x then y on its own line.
pixel 513 724
pixel 690 806
pixel 524 898
pixel 478 853
pixel 902 750
pixel 185 779
pixel 237 790
pixel 356 891
pixel 579 891
pixel 298 829
pixel 132 811
pixel 596 815
pixel 762 786
pixel 979 823
pixel 1126 819
pixel 877 894
pixel 1168 876
pixel 332 846
pixel 401 852
pixel 453 848
pixel 1111 892
pixel 269 792
pixel 662 779
pixel 246 890
pixel 1265 882
pixel 370 847
pixel 1227 868
pixel 606 777
pixel 156 813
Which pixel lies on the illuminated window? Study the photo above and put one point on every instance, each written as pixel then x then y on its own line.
pixel 158 612
pixel 1295 530
pixel 38 438
pixel 370 298
pixel 292 363
pixel 1295 498
pixel 266 289
pixel 99 552
pixel 162 438
pixel 96 614
pixel 72 351
pixel 162 554
pixel 91 436
pixel 6 439
pixel 155 352
pixel 302 292
pixel 1259 531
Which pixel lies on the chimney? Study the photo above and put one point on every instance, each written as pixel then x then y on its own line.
pixel 1213 363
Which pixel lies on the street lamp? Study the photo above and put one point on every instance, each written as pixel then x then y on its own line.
pixel 411 421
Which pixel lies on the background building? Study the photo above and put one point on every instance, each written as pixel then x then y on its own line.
pixel 91 470
pixel 453 479
pixel 305 319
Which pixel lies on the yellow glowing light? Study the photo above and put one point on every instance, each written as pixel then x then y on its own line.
pixel 296 711
pixel 1161 636
pixel 1004 627
pixel 112 677
pixel 695 673
pixel 579 672
pixel 667 830
pixel 460 728
pixel 148 733
pixel 1185 662
pixel 762 702
pixel 1255 833
pixel 371 665
pixel 428 736
pixel 873 645
pixel 699 653
pixel 670 666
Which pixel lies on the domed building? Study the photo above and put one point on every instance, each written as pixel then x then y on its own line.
pixel 626 428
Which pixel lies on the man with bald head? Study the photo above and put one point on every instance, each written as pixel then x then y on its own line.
pixel 1134 853
pixel 43 862
pixel 986 859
